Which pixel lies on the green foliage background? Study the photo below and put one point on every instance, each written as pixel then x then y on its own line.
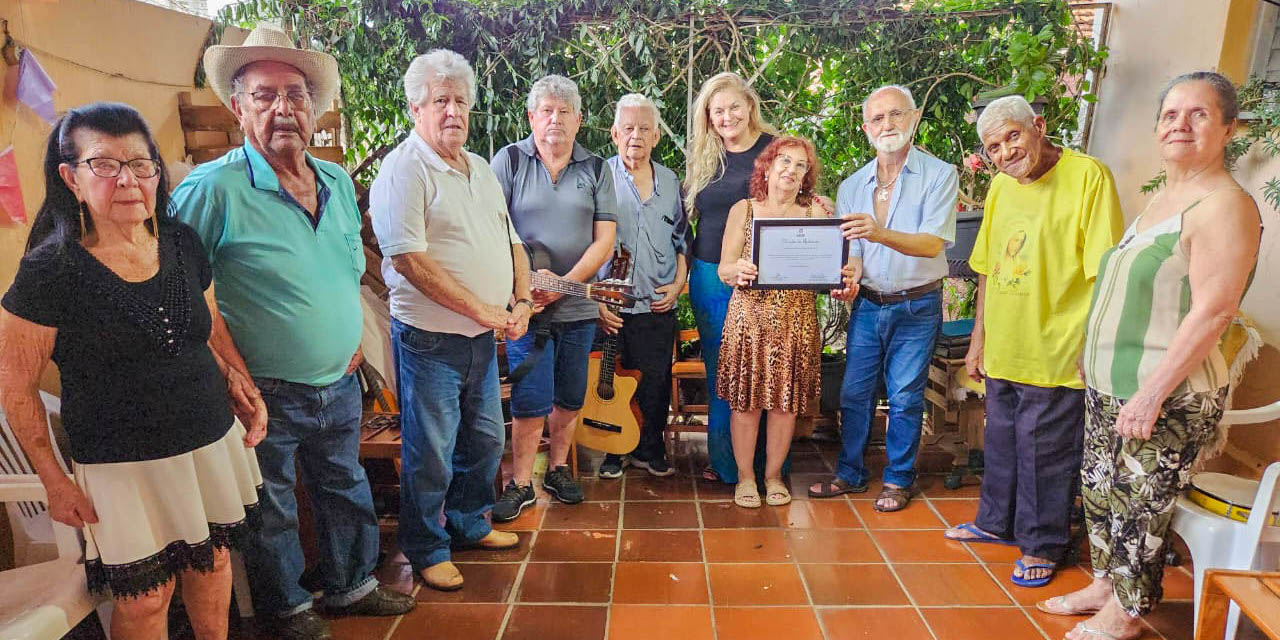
pixel 813 61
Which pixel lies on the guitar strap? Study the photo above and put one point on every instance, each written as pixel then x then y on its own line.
pixel 542 331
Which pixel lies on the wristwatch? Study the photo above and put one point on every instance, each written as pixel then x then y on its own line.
pixel 524 300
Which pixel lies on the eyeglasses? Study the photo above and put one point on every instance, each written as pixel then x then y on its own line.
pixel 264 100
pixel 110 167
pixel 896 115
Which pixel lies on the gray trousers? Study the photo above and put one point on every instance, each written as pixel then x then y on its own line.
pixel 1033 445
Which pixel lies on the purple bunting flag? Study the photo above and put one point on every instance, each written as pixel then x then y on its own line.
pixel 35 87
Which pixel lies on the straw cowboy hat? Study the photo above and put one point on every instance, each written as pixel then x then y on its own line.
pixel 270 42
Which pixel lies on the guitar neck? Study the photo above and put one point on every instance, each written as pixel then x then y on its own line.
pixel 557 284
pixel 609 360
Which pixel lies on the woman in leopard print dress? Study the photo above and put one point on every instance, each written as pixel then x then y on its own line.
pixel 769 355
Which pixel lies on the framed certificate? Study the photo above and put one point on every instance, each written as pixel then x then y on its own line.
pixel 798 253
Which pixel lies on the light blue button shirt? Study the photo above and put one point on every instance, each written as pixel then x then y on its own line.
pixel 924 201
pixel 654 231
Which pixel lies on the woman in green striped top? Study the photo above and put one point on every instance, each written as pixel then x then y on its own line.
pixel 1156 380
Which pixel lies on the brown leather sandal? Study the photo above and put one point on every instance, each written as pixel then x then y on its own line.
pixel 835 487
pixel 901 497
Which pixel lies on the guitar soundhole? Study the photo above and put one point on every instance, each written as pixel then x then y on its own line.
pixel 605 391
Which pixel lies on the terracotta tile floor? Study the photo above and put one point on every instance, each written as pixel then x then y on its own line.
pixel 672 557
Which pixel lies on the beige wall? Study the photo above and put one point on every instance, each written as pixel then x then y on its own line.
pixel 1151 42
pixel 84 45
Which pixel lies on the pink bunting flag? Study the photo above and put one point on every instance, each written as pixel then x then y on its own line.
pixel 10 189
pixel 35 87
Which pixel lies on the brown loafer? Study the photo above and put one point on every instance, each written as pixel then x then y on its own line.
pixel 443 576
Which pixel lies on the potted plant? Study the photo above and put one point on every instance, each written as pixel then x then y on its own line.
pixel 833 327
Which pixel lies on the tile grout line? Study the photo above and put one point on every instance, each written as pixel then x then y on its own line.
pixel 795 560
pixel 702 542
pixel 513 597
pixel 413 593
pixel 901 585
pixel 617 551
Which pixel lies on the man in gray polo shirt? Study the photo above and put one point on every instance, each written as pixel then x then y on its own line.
pixel 652 226
pixel 561 200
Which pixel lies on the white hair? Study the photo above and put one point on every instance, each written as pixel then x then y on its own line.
pixel 1007 109
pixel 438 64
pixel 890 87
pixel 554 86
pixel 639 101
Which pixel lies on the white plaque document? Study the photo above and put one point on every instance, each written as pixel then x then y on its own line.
pixel 798 253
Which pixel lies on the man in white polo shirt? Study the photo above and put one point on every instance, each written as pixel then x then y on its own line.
pixel 441 220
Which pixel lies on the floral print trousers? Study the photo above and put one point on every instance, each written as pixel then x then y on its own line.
pixel 1130 486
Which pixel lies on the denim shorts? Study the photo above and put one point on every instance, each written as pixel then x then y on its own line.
pixel 560 375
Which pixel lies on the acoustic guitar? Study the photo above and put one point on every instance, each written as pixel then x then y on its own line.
pixel 610 419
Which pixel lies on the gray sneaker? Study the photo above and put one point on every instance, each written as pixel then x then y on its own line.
pixel 658 466
pixel 512 501
pixel 612 465
pixel 561 484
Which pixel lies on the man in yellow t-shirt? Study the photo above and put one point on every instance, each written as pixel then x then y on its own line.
pixel 1049 217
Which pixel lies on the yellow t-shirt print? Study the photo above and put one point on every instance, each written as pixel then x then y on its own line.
pixel 1012 267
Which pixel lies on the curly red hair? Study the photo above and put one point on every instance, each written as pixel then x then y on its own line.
pixel 759 182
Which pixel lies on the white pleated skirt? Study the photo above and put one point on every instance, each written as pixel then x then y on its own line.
pixel 157 518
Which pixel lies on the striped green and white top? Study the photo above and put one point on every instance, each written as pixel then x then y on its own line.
pixel 1143 293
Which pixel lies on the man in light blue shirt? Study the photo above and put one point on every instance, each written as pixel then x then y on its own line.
pixel 900 213
pixel 654 230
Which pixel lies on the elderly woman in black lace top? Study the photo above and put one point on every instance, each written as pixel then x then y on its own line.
pixel 122 301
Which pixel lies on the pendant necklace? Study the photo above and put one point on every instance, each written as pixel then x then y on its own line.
pixel 882 190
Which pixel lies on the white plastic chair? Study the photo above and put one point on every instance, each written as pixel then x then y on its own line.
pixel 47 599
pixel 29 520
pixel 1218 542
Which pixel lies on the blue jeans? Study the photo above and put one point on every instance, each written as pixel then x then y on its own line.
pixel 452 436
pixel 709 298
pixel 894 341
pixel 560 376
pixel 320 428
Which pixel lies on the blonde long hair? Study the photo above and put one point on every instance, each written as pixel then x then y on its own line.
pixel 706 149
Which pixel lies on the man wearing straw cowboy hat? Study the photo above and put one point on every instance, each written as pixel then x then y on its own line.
pixel 282 231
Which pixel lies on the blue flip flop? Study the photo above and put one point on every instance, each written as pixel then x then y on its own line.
pixel 1034 582
pixel 981 536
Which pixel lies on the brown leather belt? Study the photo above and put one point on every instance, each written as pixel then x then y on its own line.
pixel 900 296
